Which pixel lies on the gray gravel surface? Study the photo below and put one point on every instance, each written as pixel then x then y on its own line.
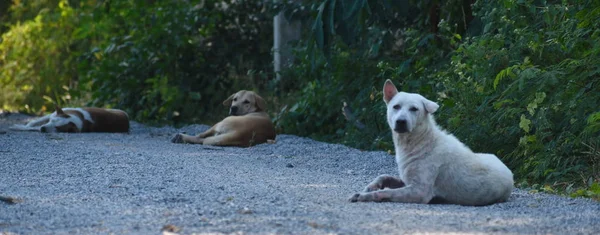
pixel 138 183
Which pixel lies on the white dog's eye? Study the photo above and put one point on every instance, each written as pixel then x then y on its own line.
pixel 413 109
pixel 234 99
pixel 396 107
pixel 246 101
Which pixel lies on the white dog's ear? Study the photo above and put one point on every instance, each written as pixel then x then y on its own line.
pixel 227 102
pixel 389 91
pixel 430 106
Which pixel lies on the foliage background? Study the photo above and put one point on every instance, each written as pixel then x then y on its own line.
pixel 518 78
pixel 150 58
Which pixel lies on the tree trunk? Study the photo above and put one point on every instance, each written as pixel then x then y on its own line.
pixel 283 32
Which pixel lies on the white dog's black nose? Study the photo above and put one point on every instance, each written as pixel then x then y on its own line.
pixel 401 126
pixel 43 129
pixel 233 110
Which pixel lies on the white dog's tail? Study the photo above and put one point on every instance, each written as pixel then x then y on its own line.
pixel 19 127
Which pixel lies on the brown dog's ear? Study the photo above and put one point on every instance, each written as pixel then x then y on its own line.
pixel 260 103
pixel 389 91
pixel 227 102
pixel 58 110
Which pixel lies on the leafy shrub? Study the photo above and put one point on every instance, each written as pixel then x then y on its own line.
pixel 592 192
pixel 535 85
pixel 156 60
pixel 515 83
pixel 316 108
pixel 38 67
pixel 151 58
pixel 362 43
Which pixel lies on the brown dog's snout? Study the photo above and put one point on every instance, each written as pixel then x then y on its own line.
pixel 233 110
pixel 401 126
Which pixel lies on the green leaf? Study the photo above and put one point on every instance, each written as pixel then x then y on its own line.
pixel 501 75
pixel 539 98
pixel 593 124
pixel 331 17
pixel 525 123
pixel 593 118
pixel 353 11
pixel 501 103
pixel 487 27
pixel 318 27
pixel 195 96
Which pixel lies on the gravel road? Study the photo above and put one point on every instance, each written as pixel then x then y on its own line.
pixel 140 183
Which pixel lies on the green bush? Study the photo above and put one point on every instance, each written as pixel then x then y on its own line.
pixel 515 83
pixel 175 61
pixel 37 61
pixel 532 86
pixel 155 59
pixel 316 109
pixel 362 45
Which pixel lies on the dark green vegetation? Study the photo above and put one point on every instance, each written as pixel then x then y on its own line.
pixel 516 78
pixel 150 58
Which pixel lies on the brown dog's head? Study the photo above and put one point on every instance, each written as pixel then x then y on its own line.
pixel 62 122
pixel 244 102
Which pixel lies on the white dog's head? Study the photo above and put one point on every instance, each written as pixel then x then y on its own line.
pixel 62 122
pixel 405 111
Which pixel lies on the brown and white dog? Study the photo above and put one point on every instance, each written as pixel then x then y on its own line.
pixel 248 124
pixel 79 120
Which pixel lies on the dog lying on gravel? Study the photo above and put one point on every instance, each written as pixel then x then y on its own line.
pixel 79 120
pixel 248 124
pixel 433 163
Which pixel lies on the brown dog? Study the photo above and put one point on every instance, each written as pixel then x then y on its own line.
pixel 248 124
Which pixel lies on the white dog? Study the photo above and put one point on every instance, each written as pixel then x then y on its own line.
pixel 433 163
